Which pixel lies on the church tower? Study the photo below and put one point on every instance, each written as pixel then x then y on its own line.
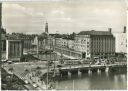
pixel 46 28
pixel 124 29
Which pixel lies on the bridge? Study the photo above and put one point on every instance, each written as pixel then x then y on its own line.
pixel 90 68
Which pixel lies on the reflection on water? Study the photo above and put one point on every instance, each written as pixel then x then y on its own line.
pixel 95 81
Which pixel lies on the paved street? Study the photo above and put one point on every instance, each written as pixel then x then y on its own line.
pixel 19 70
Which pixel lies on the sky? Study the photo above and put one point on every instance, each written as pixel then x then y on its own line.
pixel 64 16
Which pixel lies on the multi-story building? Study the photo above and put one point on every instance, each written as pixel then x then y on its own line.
pixel 99 43
pixel 82 44
pixel 26 38
pixel 121 42
pixel 65 43
pixel 66 47
pixel 58 42
pixel 70 44
pixel 90 44
pixel 27 42
pixel 41 41
pixel 14 49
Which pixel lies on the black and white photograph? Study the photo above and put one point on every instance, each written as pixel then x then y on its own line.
pixel 63 45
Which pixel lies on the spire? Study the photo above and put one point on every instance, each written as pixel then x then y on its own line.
pixel 110 30
pixel 46 27
pixel 124 29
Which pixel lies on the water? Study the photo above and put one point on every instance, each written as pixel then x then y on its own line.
pixel 95 81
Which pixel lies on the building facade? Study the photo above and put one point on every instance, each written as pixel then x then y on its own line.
pixel 14 49
pixel 65 43
pixel 70 44
pixel 82 44
pixel 27 42
pixel 121 42
pixel 100 43
pixel 58 42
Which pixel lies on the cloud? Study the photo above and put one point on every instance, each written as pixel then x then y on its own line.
pixel 58 12
pixel 64 16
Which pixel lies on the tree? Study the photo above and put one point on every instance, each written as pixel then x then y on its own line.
pixel 72 36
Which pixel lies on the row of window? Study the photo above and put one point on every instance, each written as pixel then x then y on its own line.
pixel 82 41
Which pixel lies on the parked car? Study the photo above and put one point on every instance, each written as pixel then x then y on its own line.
pixel 9 62
pixel 59 66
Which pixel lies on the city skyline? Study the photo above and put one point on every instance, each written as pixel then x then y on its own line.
pixel 64 16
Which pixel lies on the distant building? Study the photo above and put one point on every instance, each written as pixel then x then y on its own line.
pixel 27 40
pixel 70 44
pixel 121 42
pixel 89 44
pixel 58 42
pixel 46 33
pixel 41 41
pixel 66 47
pixel 98 43
pixel 27 44
pixel 14 49
pixel 46 28
pixel 64 43
pixel 82 44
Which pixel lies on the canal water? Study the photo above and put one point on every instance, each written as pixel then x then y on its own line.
pixel 103 81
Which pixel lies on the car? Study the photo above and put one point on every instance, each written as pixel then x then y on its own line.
pixel 10 62
pixel 59 66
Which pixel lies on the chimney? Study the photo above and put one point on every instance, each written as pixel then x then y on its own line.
pixel 124 29
pixel 110 30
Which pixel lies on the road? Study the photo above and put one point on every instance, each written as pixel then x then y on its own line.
pixel 19 70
